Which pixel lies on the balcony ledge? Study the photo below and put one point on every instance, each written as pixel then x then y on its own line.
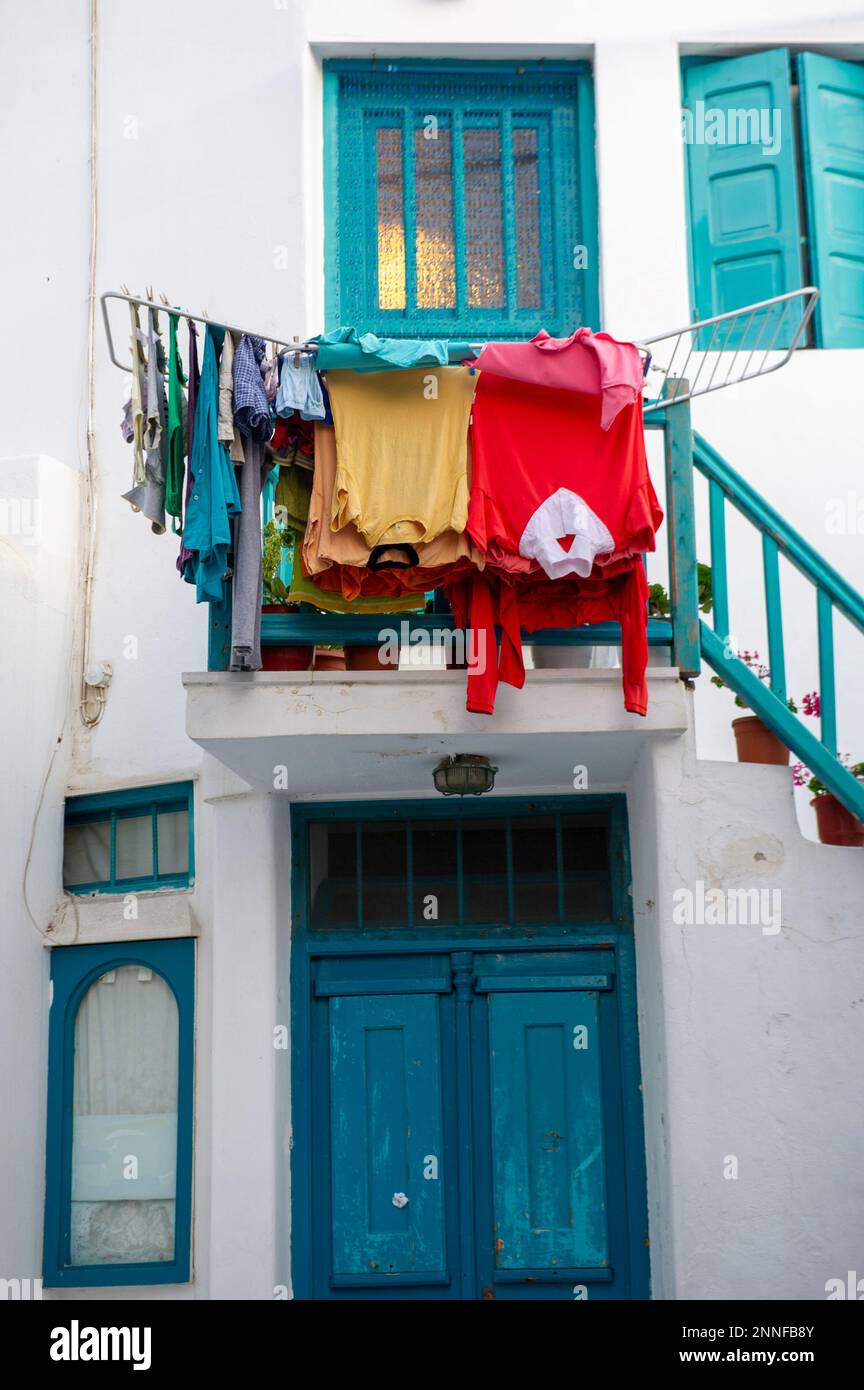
pixel 380 733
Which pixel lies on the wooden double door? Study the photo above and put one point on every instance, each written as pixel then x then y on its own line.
pixel 467 1116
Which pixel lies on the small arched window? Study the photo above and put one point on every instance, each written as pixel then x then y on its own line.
pixel 120 1114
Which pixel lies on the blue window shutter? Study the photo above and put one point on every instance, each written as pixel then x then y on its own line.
pixel 743 200
pixel 832 122
pixel 460 198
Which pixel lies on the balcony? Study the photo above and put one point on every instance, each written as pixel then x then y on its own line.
pixel 332 733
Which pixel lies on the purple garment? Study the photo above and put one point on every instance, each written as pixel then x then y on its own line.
pixel 251 406
pixel 194 378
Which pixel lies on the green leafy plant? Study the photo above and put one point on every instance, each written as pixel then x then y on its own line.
pixel 275 540
pixel 810 702
pixel 751 659
pixel 704 587
pixel 659 604
pixel 802 776
pixel 658 601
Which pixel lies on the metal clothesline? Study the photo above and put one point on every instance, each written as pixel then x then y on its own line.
pixel 717 345
pixel 165 308
pixel 723 337
pixel 296 345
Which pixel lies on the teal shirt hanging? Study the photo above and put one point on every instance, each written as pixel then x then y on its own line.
pixel 214 499
pixel 345 347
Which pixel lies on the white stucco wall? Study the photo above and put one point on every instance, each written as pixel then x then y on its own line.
pixel 39 585
pixel 750 1037
pixel 209 166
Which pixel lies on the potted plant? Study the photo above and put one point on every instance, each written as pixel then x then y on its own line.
pixel 836 824
pixel 755 742
pixel 287 656
pixel 659 606
pixel 329 658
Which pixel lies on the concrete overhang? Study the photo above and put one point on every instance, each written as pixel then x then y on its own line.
pixel 381 734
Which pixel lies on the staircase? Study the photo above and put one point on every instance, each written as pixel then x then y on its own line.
pixel 831 591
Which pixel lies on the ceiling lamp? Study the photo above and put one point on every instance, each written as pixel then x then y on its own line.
pixel 464 774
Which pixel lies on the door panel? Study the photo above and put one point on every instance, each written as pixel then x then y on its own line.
pixel 386 1140
pixel 549 1185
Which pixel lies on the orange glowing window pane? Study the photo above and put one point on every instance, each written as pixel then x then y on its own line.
pixel 391 218
pixel 484 238
pixel 433 191
pixel 526 190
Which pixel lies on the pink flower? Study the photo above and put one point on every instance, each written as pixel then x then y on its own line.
pixel 800 774
pixel 811 704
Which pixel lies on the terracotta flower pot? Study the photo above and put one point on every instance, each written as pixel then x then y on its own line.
pixel 836 825
pixel 291 656
pixel 296 658
pixel 367 659
pixel 329 661
pixel 756 744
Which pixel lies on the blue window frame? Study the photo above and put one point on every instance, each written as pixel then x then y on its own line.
pixel 118 1196
pixel 774 189
pixel 460 198
pixel 133 839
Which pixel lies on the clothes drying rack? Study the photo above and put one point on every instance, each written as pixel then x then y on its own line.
pixel 714 346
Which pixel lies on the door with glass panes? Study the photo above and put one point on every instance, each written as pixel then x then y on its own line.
pixel 467 1117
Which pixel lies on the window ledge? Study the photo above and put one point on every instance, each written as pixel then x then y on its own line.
pixel 160 914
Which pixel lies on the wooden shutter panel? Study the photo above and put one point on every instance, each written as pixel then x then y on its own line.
pixel 385 1095
pixel 832 123
pixel 744 219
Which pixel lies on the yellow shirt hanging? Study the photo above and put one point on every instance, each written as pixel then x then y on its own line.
pixel 402 452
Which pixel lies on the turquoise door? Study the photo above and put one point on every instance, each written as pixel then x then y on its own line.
pixel 549 1179
pixel 467 1118
pixel 386 1128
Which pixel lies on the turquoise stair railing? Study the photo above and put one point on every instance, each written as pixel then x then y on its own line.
pixel 831 591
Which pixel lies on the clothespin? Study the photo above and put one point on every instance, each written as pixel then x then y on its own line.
pixel 296 354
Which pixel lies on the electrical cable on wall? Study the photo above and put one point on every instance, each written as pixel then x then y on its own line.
pixel 90 715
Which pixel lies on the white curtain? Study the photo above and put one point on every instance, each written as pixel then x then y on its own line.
pixel 134 847
pixel 125 1120
pixel 173 835
pixel 87 853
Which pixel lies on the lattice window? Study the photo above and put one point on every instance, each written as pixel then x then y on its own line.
pixel 461 200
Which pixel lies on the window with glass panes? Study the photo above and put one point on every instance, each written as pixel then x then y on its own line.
pixel 131 838
pixel 460 198
pixel 462 871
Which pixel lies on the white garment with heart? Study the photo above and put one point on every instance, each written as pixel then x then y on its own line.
pixel 565 513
